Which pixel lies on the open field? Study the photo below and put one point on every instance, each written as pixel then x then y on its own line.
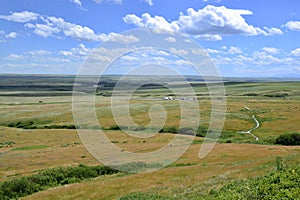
pixel 42 108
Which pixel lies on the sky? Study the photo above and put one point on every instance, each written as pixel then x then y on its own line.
pixel 244 38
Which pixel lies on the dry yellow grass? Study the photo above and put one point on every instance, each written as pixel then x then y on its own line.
pixel 234 160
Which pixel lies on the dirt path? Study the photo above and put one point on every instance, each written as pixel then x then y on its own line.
pixel 252 129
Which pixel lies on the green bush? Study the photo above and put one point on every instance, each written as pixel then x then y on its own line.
pixel 20 187
pixel 169 129
pixel 202 131
pixel 288 139
pixel 114 127
pixel 278 184
pixel 31 125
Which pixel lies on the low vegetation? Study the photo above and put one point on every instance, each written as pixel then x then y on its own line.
pixel 32 125
pixel 288 139
pixel 30 147
pixel 23 186
pixel 281 183
pixel 6 144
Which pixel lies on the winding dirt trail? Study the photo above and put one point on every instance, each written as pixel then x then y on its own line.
pixel 252 129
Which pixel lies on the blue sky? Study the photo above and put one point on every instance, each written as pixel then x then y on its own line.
pixel 244 38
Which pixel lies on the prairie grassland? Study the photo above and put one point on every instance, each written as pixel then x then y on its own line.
pixel 276 106
pixel 225 162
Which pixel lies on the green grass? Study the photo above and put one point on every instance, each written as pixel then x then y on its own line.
pixel 20 187
pixel 31 148
pixel 281 183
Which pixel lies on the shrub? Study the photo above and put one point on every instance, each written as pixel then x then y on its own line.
pixel 169 129
pixel 202 131
pixel 288 139
pixel 114 127
pixel 279 184
pixel 24 186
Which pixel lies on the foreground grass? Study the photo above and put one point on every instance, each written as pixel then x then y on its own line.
pixel 283 183
pixel 188 175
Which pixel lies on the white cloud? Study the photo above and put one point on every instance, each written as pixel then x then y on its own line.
pixel 130 58
pixel 199 51
pixel 263 58
pixel 213 51
pixel 81 50
pixel 66 53
pixel 271 31
pixel 11 35
pixel 170 39
pixel 54 26
pixel 208 23
pixel 121 38
pixel 15 56
pixel 44 30
pixel 235 50
pixel 216 20
pixel 39 52
pixel 182 62
pixel 76 54
pixel 210 37
pixel 179 51
pixel 73 30
pixel 271 50
pixel 149 2
pixel 156 22
pixel 22 17
pixel 77 2
pixel 293 25
pixel 296 52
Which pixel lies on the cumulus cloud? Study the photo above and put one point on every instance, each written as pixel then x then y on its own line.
pixel 43 30
pixel 130 58
pixel 296 52
pixel 263 58
pixel 210 37
pixel 115 37
pixel 149 2
pixel 22 17
pixel 235 50
pixel 11 35
pixel 77 2
pixel 213 51
pixel 178 51
pixel 39 52
pixel 66 53
pixel 271 50
pixel 271 31
pixel 15 56
pixel 53 26
pixel 293 25
pixel 208 23
pixel 170 39
pixel 147 21
pixel 215 20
